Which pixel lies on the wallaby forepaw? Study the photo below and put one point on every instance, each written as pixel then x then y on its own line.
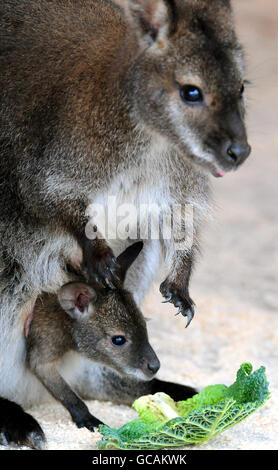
pixel 180 299
pixel 90 423
pixel 101 266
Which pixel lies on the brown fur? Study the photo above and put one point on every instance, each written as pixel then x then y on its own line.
pixel 87 321
pixel 53 333
pixel 91 105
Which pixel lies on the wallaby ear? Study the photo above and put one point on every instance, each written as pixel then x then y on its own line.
pixel 128 257
pixel 151 20
pixel 75 298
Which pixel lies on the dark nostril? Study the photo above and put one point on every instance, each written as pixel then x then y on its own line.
pixel 153 367
pixel 237 152
pixel 231 155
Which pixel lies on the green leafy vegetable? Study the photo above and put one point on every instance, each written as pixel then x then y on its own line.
pixel 158 408
pixel 165 423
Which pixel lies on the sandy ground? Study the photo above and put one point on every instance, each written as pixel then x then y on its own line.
pixel 235 284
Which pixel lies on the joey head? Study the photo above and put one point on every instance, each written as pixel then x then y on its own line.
pixel 104 325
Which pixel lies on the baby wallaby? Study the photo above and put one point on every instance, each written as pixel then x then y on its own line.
pixel 105 325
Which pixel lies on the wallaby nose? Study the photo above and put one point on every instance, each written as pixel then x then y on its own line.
pixel 236 152
pixel 150 363
pixel 154 366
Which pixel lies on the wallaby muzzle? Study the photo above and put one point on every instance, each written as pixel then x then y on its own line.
pixel 229 142
pixel 150 362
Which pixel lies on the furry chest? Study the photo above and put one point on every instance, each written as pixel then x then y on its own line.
pixel 130 202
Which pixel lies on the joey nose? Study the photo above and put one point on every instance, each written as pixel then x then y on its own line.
pixel 154 366
pixel 236 152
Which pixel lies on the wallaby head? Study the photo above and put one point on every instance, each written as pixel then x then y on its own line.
pixel 108 327
pixel 188 78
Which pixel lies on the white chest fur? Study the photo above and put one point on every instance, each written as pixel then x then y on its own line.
pixel 133 193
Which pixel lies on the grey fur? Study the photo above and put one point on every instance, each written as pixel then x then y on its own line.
pixel 90 103
pixel 83 320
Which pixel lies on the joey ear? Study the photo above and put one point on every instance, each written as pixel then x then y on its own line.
pixel 75 298
pixel 150 18
pixel 128 257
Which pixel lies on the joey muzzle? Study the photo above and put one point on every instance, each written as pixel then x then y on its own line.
pixel 150 363
pixel 235 148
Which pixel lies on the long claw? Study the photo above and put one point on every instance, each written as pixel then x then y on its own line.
pixel 114 261
pixel 189 319
pixel 189 309
pixel 192 310
pixel 168 299
pixel 180 311
pixel 190 315
pixel 98 280
pixel 115 275
pixel 109 283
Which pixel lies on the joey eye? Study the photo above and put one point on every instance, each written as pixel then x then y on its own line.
pixel 242 89
pixel 118 340
pixel 191 94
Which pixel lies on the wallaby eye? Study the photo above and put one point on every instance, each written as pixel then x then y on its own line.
pixel 191 94
pixel 118 340
pixel 242 89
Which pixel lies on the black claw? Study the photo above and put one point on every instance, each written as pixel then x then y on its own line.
pixel 167 299
pixel 186 312
pixel 99 281
pixel 113 261
pixel 109 283
pixel 180 300
pixel 190 315
pixel 192 309
pixel 90 423
pixel 115 275
pixel 189 319
pixel 180 311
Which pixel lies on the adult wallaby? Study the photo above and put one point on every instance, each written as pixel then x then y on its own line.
pixel 104 325
pixel 140 100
